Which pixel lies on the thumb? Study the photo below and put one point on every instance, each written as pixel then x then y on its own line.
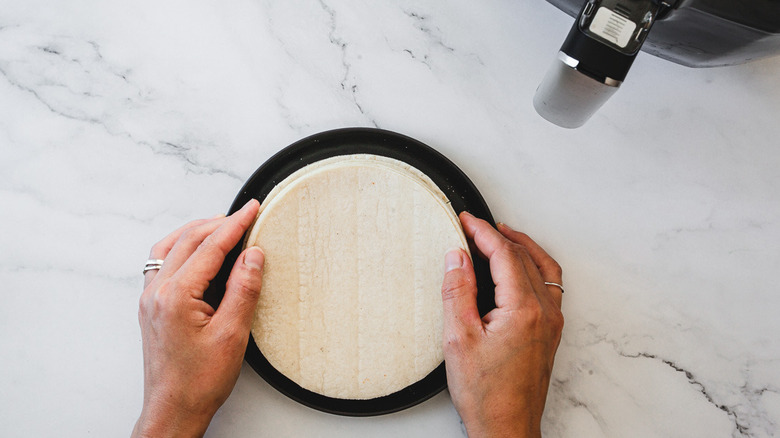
pixel 459 293
pixel 243 289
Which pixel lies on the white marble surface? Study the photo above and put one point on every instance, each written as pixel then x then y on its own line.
pixel 121 120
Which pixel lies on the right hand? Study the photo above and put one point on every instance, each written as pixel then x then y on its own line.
pixel 499 366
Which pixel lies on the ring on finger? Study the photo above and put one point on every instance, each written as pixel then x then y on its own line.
pixel 153 265
pixel 550 283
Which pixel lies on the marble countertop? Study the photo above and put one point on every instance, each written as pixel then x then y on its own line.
pixel 119 121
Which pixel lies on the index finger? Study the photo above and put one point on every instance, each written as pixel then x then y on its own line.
pixel 512 280
pixel 161 249
pixel 550 269
pixel 204 264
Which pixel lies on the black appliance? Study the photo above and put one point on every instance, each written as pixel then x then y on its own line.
pixel 608 34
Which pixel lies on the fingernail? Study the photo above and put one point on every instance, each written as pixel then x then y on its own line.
pixel 503 225
pixel 248 204
pixel 254 258
pixel 219 216
pixel 453 259
pixel 466 213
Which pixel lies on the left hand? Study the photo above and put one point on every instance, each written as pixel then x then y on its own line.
pixel 192 353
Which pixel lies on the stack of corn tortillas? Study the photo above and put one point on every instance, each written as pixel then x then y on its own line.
pixel 351 306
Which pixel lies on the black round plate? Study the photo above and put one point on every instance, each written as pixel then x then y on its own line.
pixel 452 181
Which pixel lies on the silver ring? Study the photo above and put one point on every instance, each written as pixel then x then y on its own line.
pixel 153 265
pixel 550 283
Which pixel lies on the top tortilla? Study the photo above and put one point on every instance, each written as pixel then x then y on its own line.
pixel 351 306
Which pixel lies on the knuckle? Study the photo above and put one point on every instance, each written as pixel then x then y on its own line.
pixel 247 289
pixel 454 287
pixel 557 321
pixel 190 235
pixel 554 320
pixel 143 305
pixel 513 250
pixel 531 317
pixel 535 315
pixel 555 268
pixel 450 346
pixel 194 223
pixel 165 308
pixel 212 245
pixel 519 235
pixel 245 284
pixel 160 302
pixel 158 248
pixel 541 319
pixel 449 291
pixel 457 341
pixel 141 312
pixel 232 334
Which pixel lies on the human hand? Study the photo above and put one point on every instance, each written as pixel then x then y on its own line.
pixel 499 366
pixel 192 353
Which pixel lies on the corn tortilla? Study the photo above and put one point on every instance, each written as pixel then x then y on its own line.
pixel 350 306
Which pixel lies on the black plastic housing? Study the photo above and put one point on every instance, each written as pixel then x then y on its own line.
pixel 709 33
pixel 597 60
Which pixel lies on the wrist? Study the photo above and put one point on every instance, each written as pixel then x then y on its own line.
pixel 166 420
pixel 499 423
pixel 503 430
pixel 508 429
